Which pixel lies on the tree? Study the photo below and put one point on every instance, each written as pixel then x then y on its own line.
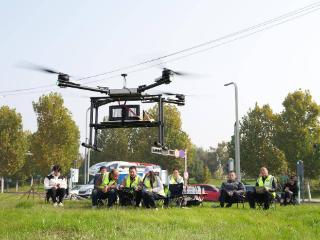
pixel 222 156
pixel 13 141
pixel 117 145
pixel 196 169
pixel 257 142
pixel 206 174
pixel 57 138
pixel 27 169
pixel 298 130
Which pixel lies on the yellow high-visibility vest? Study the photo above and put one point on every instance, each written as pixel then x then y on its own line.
pixel 133 184
pixel 147 184
pixel 106 182
pixel 267 183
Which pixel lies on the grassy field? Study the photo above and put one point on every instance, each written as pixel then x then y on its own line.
pixel 33 219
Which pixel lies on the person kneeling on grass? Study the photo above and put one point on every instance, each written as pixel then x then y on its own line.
pixel 231 191
pixel 98 186
pixel 107 188
pixel 130 189
pixel 290 192
pixel 56 186
pixel 152 188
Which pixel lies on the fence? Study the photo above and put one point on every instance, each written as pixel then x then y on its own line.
pixel 15 185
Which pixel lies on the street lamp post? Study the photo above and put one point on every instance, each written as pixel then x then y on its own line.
pixel 237 135
pixel 86 153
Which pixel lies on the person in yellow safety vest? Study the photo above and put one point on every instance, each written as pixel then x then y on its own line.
pixel 106 187
pixel 265 190
pixel 97 191
pixel 175 177
pixel 175 182
pixel 152 188
pixel 130 188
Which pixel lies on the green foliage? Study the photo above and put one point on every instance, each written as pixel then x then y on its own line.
pixel 206 174
pixel 28 169
pixel 208 162
pixel 257 147
pixel 298 130
pixel 117 145
pixel 57 138
pixel 13 142
pixel 135 144
pixel 196 170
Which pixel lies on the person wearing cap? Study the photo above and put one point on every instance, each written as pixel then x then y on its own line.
pixel 55 184
pixel 97 191
pixel 130 188
pixel 152 188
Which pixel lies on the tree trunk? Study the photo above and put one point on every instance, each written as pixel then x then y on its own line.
pixel 308 190
pixel 31 182
pixel 17 185
pixel 2 184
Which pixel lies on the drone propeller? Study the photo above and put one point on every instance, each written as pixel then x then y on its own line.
pixel 172 94
pixel 184 74
pixel 36 67
pixel 186 95
pixel 61 76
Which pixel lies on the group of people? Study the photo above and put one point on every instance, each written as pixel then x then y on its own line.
pixel 133 189
pixel 264 192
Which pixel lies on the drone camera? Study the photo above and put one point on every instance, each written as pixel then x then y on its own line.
pixel 124 113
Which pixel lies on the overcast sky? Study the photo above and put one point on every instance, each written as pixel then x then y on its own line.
pixel 84 38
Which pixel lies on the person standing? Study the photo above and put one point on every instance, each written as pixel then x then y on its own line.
pixel 55 184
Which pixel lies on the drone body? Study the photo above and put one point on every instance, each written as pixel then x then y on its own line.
pixel 124 115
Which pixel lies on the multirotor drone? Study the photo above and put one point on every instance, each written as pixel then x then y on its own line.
pixel 125 115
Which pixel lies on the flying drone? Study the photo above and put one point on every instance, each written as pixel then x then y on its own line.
pixel 125 115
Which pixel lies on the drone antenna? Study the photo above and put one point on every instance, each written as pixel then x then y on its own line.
pixel 124 75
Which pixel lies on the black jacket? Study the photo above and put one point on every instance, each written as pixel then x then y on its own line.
pixel 233 186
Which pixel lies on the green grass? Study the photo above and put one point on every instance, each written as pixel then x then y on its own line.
pixel 33 219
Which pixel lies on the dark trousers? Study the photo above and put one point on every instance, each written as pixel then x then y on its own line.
pixel 288 198
pixel 262 198
pixel 56 193
pixel 226 198
pixel 97 195
pixel 149 198
pixel 126 198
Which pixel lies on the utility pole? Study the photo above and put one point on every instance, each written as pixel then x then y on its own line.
pixel 237 134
